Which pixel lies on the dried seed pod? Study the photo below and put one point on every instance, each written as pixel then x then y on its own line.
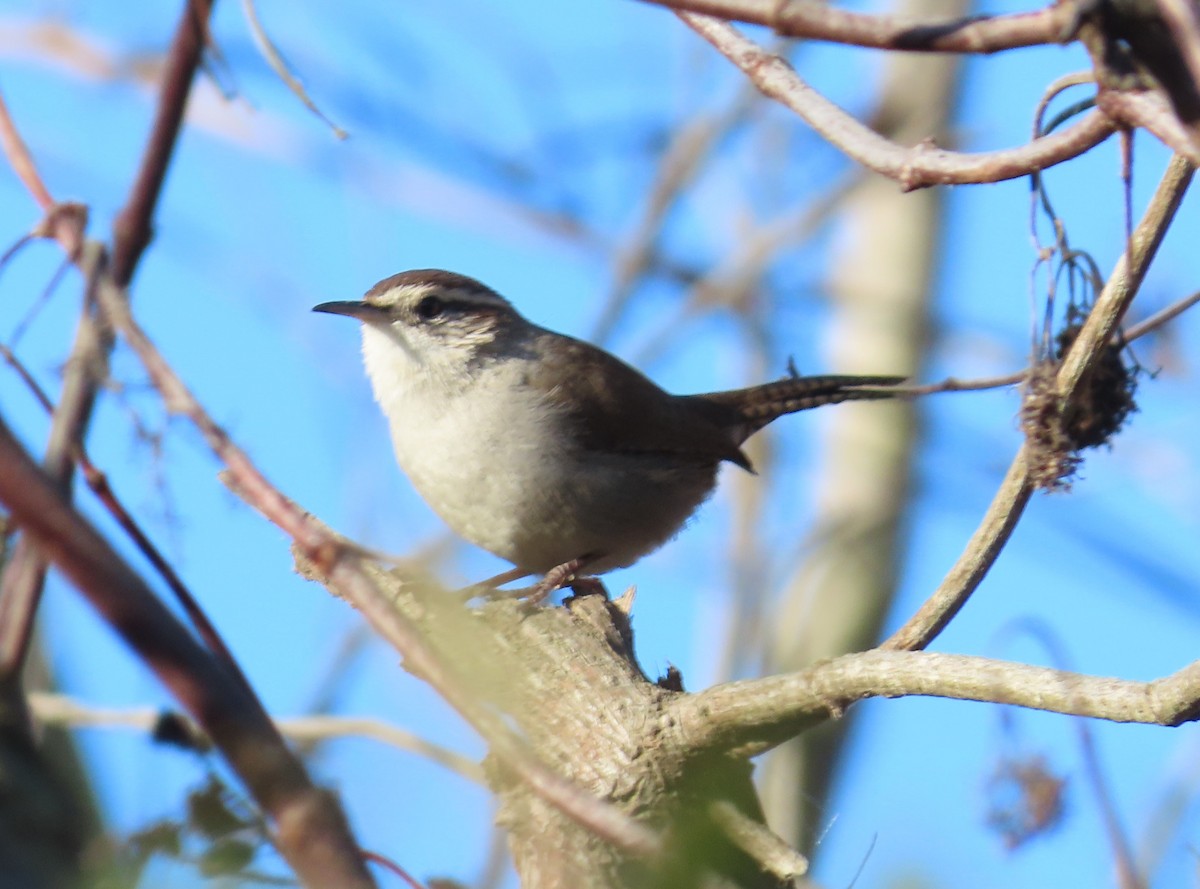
pixel 1055 432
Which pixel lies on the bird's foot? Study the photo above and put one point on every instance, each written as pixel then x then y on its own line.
pixel 564 575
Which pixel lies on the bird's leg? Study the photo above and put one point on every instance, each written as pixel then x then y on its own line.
pixel 566 574
pixel 489 588
pixel 504 577
pixel 558 577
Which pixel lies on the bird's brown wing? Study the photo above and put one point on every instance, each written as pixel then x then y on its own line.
pixel 615 408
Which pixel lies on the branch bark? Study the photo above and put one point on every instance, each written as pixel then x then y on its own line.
pixel 748 717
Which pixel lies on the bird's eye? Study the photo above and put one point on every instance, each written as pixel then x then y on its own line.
pixel 430 307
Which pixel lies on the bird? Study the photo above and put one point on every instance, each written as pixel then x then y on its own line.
pixel 543 449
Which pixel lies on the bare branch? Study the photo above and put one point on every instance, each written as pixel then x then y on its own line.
pixel 817 21
pixel 916 167
pixel 1010 500
pixel 1007 506
pixel 21 585
pixel 751 716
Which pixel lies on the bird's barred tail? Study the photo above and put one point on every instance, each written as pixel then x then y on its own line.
pixel 759 405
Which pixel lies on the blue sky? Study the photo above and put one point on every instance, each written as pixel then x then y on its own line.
pixel 265 215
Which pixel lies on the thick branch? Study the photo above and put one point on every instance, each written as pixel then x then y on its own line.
pixel 1152 112
pixel 751 716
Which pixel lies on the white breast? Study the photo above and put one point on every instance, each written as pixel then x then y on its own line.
pixel 475 449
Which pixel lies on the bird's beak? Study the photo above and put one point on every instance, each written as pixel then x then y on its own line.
pixel 374 317
pixel 363 311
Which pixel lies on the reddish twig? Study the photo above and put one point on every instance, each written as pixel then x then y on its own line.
pixel 311 831
pixel 391 866
pixel 65 222
pixel 24 576
pixel 21 160
pixel 132 228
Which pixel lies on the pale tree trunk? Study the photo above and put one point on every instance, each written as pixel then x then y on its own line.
pixel 880 286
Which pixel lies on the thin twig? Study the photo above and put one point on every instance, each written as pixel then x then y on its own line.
pixel 1159 318
pixel 282 70
pixel 24 575
pixel 1121 338
pixel 22 326
pixel 63 710
pixel 21 160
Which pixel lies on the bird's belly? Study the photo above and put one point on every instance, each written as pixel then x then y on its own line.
pixel 477 476
pixel 506 483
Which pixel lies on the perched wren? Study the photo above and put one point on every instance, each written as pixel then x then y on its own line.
pixel 542 449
